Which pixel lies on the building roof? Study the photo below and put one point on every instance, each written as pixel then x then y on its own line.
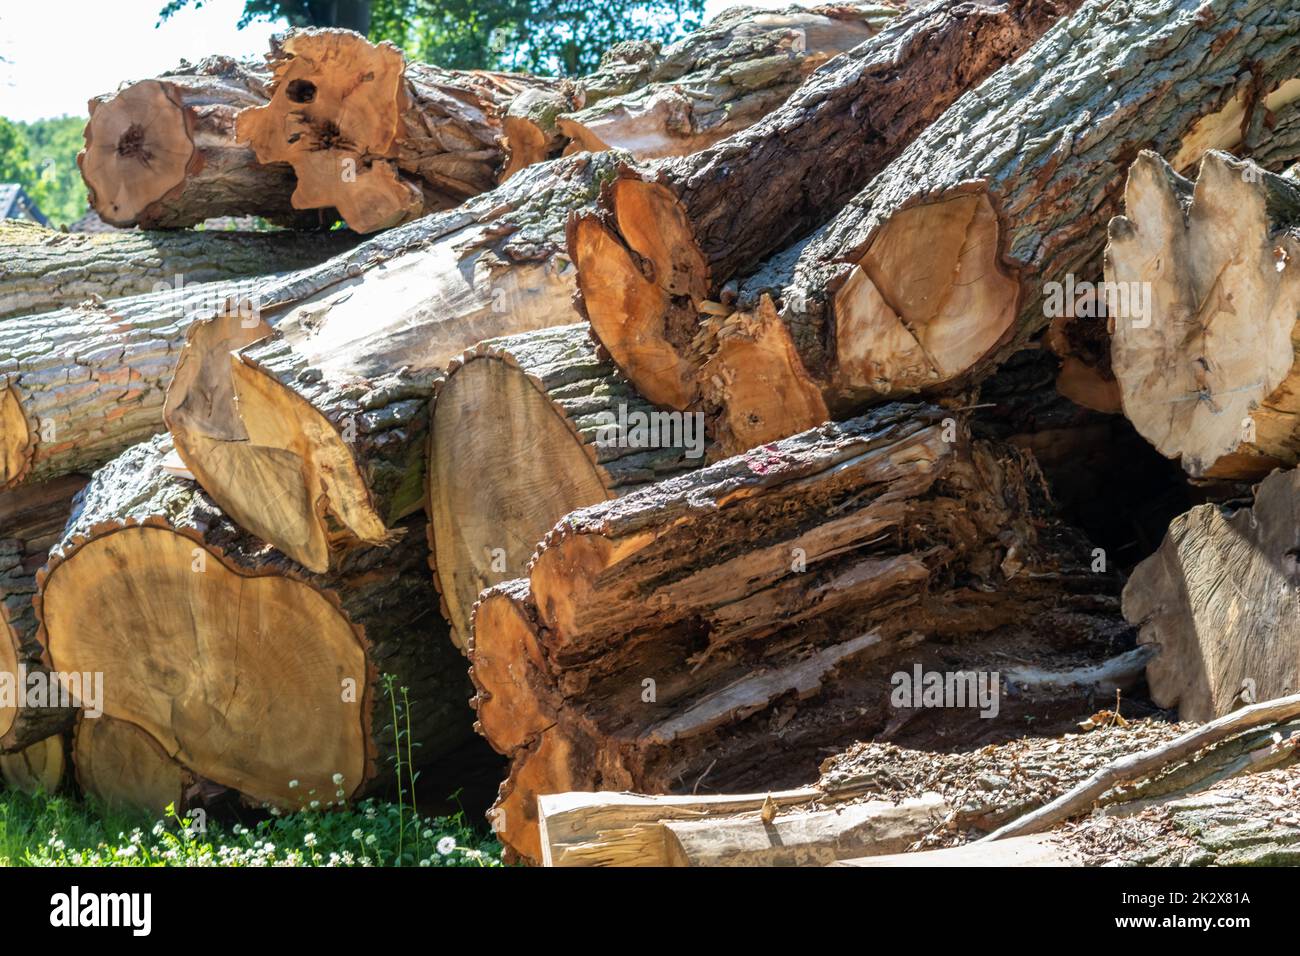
pixel 16 204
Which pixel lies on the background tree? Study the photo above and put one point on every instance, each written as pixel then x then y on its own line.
pixel 52 146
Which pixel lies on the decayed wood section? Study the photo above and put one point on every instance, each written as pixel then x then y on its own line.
pixel 313 436
pixel 37 769
pixel 720 80
pixel 46 270
pixel 247 670
pixel 79 385
pixel 123 767
pixel 162 152
pixel 1210 373
pixel 1219 601
pixel 679 229
pixel 31 522
pixel 381 140
pixel 729 595
pixel 526 429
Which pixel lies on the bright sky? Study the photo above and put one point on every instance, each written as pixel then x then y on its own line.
pixel 59 53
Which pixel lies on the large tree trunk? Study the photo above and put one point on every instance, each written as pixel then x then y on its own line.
pixel 945 263
pixel 162 153
pixel 325 446
pixel 245 668
pixel 1219 601
pixel 79 385
pixel 722 79
pixel 668 633
pixel 46 270
pixel 32 520
pixel 1209 373
pixel 525 430
pixel 678 230
pixel 381 140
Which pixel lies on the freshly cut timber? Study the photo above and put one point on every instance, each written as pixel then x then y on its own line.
pixel 79 385
pixel 36 769
pixel 46 270
pixel 1219 601
pixel 526 429
pixel 664 636
pixel 124 768
pixel 1210 373
pixel 679 229
pixel 946 263
pixel 719 80
pixel 31 522
pixel 313 437
pixel 381 140
pixel 247 670
pixel 162 153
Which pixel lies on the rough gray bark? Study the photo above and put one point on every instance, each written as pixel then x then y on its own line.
pixel 554 428
pixel 162 152
pixel 307 654
pixel 32 520
pixel 354 350
pixel 44 270
pixel 679 229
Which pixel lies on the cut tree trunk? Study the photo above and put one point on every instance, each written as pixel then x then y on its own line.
pixel 679 229
pixel 79 385
pixel 1219 601
pixel 249 671
pixel 1209 373
pixel 721 80
pixel 525 430
pixel 125 768
pixel 665 635
pixel 162 153
pixel 46 270
pixel 381 140
pixel 37 769
pixel 946 263
pixel 32 520
pixel 313 437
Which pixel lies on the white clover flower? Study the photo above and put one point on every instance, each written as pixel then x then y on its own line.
pixel 357 834
pixel 370 840
pixel 338 779
pixel 446 845
pixel 293 784
pixel 309 839
pixel 426 863
pixel 426 835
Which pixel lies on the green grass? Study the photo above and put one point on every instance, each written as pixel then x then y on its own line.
pixel 61 831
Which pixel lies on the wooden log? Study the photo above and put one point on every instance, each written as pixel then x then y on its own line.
pixel 1218 599
pixel 249 671
pixel 526 429
pixel 667 633
pixel 1210 373
pixel 381 140
pixel 79 385
pixel 679 229
pixel 162 153
pixel 33 520
pixel 47 270
pixel 656 101
pixel 871 307
pixel 124 768
pixel 324 448
pixel 37 769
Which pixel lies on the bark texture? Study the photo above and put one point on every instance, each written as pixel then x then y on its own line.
pixel 246 669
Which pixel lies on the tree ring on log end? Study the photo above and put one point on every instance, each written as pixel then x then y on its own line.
pixel 928 300
pixel 249 701
pixel 138 149
pixel 15 438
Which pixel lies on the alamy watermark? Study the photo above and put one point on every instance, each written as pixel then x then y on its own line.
pixel 655 429
pixel 39 689
pixel 921 688
pixel 1130 301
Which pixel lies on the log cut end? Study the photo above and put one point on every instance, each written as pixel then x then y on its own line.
pixel 180 629
pixel 125 768
pixel 16 443
pixel 335 116
pixel 507 659
pixel 928 301
pixel 36 769
pixel 1206 359
pixel 8 666
pixel 642 278
pixel 139 148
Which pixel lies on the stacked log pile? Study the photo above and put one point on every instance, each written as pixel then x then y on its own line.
pixel 675 428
